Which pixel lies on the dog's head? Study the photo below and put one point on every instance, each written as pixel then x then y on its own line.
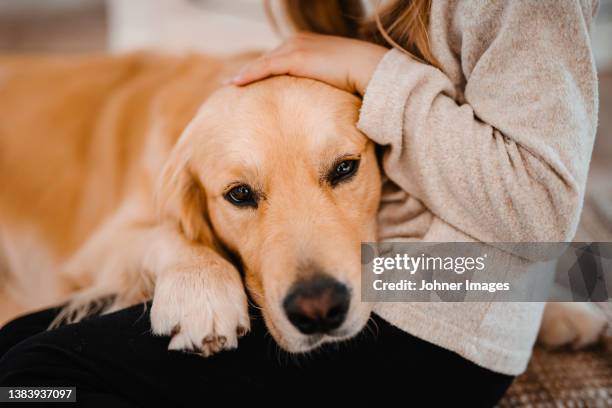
pixel 277 173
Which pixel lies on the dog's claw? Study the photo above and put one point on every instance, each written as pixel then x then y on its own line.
pixel 213 344
pixel 241 331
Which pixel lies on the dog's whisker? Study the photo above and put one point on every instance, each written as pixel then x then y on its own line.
pixel 375 332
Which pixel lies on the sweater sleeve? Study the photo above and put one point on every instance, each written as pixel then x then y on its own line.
pixel 510 162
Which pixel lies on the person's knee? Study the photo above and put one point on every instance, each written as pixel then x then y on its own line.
pixel 44 360
pixel 39 358
pixel 16 362
pixel 21 328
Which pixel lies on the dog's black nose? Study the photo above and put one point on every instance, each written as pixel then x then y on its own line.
pixel 317 305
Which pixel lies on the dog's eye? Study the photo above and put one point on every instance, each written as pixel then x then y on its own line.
pixel 242 196
pixel 343 171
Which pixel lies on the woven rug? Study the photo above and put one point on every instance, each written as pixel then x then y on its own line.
pixel 566 378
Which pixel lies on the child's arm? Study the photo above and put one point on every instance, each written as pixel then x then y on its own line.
pixel 509 162
pixel 505 161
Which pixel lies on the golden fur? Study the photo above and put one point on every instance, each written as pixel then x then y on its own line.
pixel 112 183
pixel 99 198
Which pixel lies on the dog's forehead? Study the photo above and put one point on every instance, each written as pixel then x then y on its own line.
pixel 280 116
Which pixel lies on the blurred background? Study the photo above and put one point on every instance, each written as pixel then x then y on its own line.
pixel 227 26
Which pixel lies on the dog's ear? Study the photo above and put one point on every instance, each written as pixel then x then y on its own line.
pixel 181 198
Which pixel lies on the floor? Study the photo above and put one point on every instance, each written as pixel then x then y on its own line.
pixel 53 29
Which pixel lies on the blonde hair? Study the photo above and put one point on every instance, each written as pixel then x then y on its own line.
pixel 402 24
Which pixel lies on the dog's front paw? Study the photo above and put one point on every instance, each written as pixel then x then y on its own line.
pixel 203 308
pixel 575 324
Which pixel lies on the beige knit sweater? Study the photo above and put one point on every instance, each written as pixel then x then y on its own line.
pixel 495 147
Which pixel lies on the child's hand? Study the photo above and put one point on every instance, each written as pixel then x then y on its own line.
pixel 345 63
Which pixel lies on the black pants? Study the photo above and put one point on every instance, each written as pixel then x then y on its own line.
pixel 114 361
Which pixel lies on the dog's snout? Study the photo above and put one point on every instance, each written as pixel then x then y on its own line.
pixel 317 305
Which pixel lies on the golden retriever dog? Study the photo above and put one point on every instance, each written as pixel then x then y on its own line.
pixel 116 179
pixel 141 176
